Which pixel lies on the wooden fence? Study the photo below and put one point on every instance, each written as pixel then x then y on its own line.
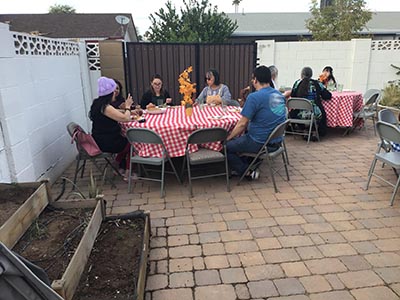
pixel 234 62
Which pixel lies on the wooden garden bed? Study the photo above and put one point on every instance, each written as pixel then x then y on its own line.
pixel 118 263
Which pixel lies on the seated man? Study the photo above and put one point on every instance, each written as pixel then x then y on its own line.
pixel 262 112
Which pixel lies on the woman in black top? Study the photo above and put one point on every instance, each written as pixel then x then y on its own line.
pixel 156 94
pixel 105 128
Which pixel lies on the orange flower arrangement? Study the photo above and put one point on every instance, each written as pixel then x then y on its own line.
pixel 186 87
pixel 323 78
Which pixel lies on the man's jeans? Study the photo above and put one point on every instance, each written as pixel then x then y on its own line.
pixel 239 145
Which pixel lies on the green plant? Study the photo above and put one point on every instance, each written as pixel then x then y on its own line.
pixel 94 189
pixel 391 93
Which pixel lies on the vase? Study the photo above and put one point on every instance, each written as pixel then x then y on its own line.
pixel 189 111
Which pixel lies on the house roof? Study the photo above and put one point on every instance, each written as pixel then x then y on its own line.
pixel 69 25
pixel 265 24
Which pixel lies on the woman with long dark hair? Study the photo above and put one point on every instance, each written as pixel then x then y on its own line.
pixel 156 94
pixel 327 78
pixel 315 91
pixel 105 128
pixel 118 100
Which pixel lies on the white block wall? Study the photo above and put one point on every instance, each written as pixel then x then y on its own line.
pixel 39 96
pixel 355 64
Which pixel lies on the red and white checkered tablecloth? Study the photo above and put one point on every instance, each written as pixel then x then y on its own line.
pixel 339 110
pixel 174 127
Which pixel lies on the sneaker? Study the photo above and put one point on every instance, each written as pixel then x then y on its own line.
pixel 253 175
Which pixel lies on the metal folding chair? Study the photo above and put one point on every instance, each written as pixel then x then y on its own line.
pixel 148 136
pixel 84 156
pixel 263 154
pixel 206 156
pixel 305 105
pixel 368 111
pixel 388 133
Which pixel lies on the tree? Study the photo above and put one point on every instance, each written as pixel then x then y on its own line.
pixel 340 21
pixel 198 21
pixel 236 4
pixel 61 9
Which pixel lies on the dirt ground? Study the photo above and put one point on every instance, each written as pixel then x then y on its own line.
pixel 11 199
pixel 113 266
pixel 51 240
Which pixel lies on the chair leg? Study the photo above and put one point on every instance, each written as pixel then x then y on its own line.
pixel 162 193
pixel 130 179
pixel 76 172
pixel 174 170
pixel 316 130
pixel 370 172
pixel 284 149
pixel 269 162
pixel 189 177
pixel 395 191
pixel 228 187
pixel 83 167
pixel 284 157
pixel 247 170
pixel 373 122
pixel 112 166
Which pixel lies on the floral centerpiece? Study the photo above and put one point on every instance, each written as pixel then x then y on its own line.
pixel 323 78
pixel 187 88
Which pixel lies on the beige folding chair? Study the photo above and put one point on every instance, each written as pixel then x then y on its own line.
pixel 263 154
pixel 148 136
pixel 84 156
pixel 388 133
pixel 302 104
pixel 206 156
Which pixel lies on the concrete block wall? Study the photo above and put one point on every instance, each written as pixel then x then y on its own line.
pixel 355 64
pixel 39 95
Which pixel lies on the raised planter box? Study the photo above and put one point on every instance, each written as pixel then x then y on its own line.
pixel 16 225
pixel 122 277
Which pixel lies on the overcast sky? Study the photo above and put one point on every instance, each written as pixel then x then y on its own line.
pixel 141 10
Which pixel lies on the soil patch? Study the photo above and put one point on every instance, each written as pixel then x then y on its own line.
pixel 51 240
pixel 113 266
pixel 11 198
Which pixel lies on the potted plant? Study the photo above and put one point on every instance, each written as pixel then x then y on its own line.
pixel 391 93
pixel 187 88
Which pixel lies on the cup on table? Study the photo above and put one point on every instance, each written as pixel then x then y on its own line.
pixel 160 102
pixel 340 87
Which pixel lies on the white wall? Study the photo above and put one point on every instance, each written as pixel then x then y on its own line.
pixel 41 91
pixel 359 64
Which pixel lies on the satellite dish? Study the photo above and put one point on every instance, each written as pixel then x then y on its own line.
pixel 122 20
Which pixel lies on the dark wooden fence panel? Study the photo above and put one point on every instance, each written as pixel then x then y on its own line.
pixel 234 62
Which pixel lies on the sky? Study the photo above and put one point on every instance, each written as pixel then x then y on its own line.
pixel 141 9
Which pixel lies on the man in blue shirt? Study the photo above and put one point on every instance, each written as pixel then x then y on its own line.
pixel 262 112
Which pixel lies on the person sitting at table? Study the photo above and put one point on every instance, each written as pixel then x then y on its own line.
pixel 274 77
pixel 105 128
pixel 327 78
pixel 118 100
pixel 156 95
pixel 215 93
pixel 315 91
pixel 263 111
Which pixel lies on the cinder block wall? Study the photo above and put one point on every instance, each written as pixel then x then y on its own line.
pixel 359 64
pixel 41 91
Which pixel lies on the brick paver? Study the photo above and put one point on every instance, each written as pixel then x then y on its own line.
pixel 322 237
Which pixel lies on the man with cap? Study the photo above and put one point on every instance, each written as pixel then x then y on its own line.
pixel 105 128
pixel 263 110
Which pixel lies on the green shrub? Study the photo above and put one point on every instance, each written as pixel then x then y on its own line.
pixel 391 94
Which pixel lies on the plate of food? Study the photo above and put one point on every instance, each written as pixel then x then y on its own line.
pixel 156 110
pixel 235 109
